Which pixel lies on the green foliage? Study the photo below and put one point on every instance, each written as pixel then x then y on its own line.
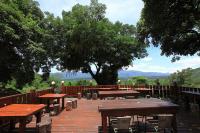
pixel 11 84
pixel 22 52
pixel 91 40
pixel 83 82
pixel 174 25
pixel 31 40
pixel 36 84
pixel 187 77
pixel 195 79
pixel 182 78
pixel 164 81
pixel 140 80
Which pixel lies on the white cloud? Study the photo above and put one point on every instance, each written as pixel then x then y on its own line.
pixel 146 66
pixel 189 62
pixel 126 11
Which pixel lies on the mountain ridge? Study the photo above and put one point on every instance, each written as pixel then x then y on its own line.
pixel 122 74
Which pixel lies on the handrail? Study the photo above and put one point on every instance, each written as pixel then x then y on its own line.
pixel 23 98
pixel 161 91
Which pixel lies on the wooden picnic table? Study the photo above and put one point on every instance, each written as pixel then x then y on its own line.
pixel 191 93
pixel 131 107
pixel 144 90
pixel 126 88
pixel 20 112
pixel 49 97
pixel 117 93
pixel 191 96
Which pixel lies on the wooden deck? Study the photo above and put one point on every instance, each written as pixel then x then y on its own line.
pixel 87 119
pixel 84 119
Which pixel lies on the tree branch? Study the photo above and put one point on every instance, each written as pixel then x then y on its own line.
pixel 90 71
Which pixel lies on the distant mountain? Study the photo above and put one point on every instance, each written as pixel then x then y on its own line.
pixel 127 74
pixel 122 74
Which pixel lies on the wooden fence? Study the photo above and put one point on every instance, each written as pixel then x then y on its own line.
pixel 154 91
pixel 26 98
pixel 72 91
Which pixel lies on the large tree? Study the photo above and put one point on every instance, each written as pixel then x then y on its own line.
pixel 172 24
pixel 22 32
pixel 52 43
pixel 92 44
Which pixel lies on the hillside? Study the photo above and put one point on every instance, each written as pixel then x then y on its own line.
pixel 122 74
pixel 195 78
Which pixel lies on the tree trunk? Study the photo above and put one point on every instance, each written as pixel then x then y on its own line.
pixel 45 76
pixel 108 76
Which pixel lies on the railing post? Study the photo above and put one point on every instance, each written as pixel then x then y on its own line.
pixel 153 90
pixel 163 93
pixel 166 88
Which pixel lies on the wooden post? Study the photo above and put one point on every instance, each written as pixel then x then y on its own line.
pixel 158 91
pixel 63 103
pixel 104 123
pixel 22 125
pixel 166 88
pixel 152 91
pixel 174 124
pixel 163 95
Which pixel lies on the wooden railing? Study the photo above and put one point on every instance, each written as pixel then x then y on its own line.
pixel 72 91
pixel 155 91
pixel 173 92
pixel 26 98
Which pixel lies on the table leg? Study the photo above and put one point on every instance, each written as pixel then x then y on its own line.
pixel 40 100
pixel 38 117
pixel 174 124
pixel 63 103
pixel 109 121
pixel 187 101
pixel 22 125
pixel 48 105
pixel 58 100
pixel 12 124
pixel 104 123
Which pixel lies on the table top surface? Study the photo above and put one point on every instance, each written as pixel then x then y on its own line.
pixel 191 92
pixel 101 88
pixel 125 88
pixel 144 103
pixel 20 110
pixel 52 96
pixel 142 89
pixel 118 92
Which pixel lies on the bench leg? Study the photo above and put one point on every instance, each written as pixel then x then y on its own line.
pixel 22 125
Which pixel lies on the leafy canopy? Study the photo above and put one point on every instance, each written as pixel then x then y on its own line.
pixel 95 45
pixel 172 24
pixel 21 40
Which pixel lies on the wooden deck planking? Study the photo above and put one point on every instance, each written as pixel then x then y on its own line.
pixel 84 119
pixel 87 119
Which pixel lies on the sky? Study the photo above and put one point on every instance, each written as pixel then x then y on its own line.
pixel 127 11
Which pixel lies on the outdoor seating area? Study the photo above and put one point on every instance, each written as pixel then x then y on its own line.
pixel 100 66
pixel 99 112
